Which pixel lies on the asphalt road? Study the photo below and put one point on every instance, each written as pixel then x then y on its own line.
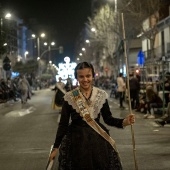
pixel 26 135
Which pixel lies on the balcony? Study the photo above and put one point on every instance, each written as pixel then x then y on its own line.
pixel 164 23
pixel 155 54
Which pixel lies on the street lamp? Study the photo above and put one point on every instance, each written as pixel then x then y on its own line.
pixel 26 53
pixel 2 44
pixel 42 35
pixel 49 53
pixel 93 29
pixel 49 49
pixel 87 41
pixel 6 16
pixel 83 49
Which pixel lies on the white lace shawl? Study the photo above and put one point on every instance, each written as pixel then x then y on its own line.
pixel 98 98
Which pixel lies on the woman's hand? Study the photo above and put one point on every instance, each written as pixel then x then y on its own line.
pixel 130 119
pixel 53 153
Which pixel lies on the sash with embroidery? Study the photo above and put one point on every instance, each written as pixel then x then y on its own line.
pixel 83 108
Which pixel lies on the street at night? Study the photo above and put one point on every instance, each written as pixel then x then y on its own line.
pixel 28 131
pixel 59 60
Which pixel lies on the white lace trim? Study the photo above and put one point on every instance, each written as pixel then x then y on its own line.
pixel 98 98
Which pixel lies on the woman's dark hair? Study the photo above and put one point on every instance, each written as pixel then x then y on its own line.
pixel 120 74
pixel 82 66
pixel 150 94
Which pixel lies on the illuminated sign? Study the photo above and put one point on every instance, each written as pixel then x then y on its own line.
pixel 66 70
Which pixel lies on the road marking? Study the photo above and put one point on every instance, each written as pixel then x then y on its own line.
pixel 155 124
pixel 20 112
pixel 156 130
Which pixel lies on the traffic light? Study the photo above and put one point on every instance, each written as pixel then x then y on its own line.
pixel 61 49
pixel 6 64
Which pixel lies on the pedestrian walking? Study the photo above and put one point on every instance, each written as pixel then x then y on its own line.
pixel 25 89
pixel 80 144
pixel 121 89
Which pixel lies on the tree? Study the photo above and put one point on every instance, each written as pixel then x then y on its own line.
pixel 103 22
pixel 143 16
pixel 28 67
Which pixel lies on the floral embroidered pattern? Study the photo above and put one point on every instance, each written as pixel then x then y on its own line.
pixel 98 98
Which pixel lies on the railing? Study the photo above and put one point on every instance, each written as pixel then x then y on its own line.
pixel 157 52
pixel 163 23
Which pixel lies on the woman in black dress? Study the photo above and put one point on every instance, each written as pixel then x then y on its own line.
pixel 59 94
pixel 80 147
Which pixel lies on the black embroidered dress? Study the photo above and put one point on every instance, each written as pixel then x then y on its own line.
pixel 82 148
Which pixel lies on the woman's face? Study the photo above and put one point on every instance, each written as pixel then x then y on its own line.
pixel 85 77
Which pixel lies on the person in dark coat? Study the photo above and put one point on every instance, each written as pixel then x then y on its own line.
pixel 69 84
pixel 59 94
pixel 134 91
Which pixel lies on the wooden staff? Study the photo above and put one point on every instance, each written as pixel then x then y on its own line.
pixel 128 91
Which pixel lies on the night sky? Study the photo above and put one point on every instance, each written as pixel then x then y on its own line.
pixel 65 18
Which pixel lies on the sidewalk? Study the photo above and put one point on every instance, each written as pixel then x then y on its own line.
pixel 138 115
pixel 9 103
pixel 12 102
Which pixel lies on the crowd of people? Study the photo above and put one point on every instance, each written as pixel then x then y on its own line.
pixel 145 100
pixel 15 89
pixel 9 90
pixel 81 107
pixel 153 102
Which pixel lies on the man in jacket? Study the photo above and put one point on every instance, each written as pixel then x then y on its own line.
pixel 121 89
pixel 134 90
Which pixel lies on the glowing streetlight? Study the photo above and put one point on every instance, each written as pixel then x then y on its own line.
pixel 42 35
pixel 87 41
pixel 38 41
pixel 5 16
pixel 26 53
pixel 83 49
pixel 45 43
pixel 8 15
pixel 93 29
pixel 52 43
pixel 33 35
pixel 80 54
pixel 49 49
